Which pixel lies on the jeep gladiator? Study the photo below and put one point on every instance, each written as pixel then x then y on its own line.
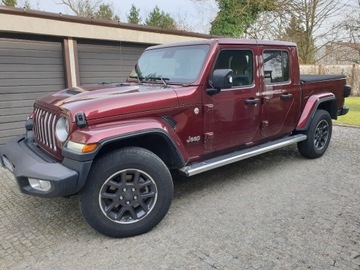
pixel 186 107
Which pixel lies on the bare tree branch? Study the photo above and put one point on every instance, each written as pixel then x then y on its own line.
pixel 84 8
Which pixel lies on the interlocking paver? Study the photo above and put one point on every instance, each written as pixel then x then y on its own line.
pixel 275 211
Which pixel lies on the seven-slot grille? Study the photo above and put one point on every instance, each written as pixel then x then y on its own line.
pixel 44 127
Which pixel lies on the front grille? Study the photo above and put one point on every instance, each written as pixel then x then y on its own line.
pixel 44 128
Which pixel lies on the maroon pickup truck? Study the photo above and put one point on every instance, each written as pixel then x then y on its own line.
pixel 186 107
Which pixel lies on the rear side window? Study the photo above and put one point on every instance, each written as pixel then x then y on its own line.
pixel 241 62
pixel 276 67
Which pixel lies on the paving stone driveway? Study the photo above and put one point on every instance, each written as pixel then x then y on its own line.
pixel 276 211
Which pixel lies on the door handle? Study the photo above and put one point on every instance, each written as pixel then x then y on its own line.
pixel 286 96
pixel 252 101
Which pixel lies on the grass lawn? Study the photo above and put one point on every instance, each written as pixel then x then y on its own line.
pixel 353 116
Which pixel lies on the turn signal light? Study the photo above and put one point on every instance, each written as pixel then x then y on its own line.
pixel 80 147
pixel 89 148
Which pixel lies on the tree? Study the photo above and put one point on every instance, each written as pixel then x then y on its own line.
pixel 350 29
pixel 316 21
pixel 27 4
pixel 105 12
pixel 235 16
pixel 134 15
pixel 313 15
pixel 92 9
pixel 161 19
pixel 295 32
pixel 183 22
pixel 9 3
pixel 83 8
pixel 205 12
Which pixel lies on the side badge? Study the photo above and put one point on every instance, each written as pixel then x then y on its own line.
pixel 193 139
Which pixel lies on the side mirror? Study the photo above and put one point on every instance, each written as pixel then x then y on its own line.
pixel 220 79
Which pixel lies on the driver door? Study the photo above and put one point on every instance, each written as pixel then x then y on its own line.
pixel 232 117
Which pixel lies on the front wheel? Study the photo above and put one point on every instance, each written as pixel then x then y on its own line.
pixel 318 136
pixel 127 193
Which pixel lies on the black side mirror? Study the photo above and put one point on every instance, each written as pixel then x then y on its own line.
pixel 220 79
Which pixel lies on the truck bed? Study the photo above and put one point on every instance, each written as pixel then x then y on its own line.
pixel 319 78
pixel 316 84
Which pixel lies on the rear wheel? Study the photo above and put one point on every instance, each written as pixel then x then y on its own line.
pixel 318 136
pixel 127 193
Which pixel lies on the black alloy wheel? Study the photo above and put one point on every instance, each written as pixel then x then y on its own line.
pixel 128 196
pixel 127 193
pixel 318 135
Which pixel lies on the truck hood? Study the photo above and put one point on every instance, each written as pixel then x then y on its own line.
pixel 110 101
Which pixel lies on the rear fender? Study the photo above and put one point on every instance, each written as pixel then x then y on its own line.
pixel 325 101
pixel 114 134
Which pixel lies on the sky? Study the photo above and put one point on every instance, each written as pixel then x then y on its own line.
pixel 196 15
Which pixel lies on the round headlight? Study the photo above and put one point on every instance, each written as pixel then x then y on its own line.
pixel 62 129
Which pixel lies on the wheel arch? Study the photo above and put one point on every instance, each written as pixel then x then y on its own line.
pixel 325 102
pixel 155 141
pixel 318 135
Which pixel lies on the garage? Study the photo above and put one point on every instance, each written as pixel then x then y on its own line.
pixel 109 62
pixel 29 68
pixel 43 52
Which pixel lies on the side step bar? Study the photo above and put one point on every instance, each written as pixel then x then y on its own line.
pixel 216 162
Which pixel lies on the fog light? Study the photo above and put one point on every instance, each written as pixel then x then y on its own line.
pixel 41 185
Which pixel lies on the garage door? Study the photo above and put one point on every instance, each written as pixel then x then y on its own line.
pixel 28 69
pixel 107 62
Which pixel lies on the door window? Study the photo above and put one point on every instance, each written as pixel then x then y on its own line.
pixel 241 62
pixel 276 67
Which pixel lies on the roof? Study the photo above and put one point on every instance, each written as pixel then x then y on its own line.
pixel 255 41
pixel 84 20
pixel 228 41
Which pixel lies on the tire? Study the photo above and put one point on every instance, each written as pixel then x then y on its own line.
pixel 318 136
pixel 127 193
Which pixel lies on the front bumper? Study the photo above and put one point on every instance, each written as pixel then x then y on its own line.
pixel 25 160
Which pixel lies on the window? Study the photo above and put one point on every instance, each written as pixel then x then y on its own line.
pixel 276 66
pixel 241 62
pixel 180 64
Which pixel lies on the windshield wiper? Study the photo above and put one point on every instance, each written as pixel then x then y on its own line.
pixel 158 78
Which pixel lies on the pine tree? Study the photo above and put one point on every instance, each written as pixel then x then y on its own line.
pixel 161 19
pixel 134 15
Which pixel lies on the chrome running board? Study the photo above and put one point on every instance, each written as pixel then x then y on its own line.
pixel 203 166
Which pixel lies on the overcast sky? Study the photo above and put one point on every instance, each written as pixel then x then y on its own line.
pixel 196 15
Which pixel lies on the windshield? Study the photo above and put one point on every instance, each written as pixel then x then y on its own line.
pixel 173 64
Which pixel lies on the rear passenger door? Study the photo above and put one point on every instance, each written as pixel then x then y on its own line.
pixel 280 96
